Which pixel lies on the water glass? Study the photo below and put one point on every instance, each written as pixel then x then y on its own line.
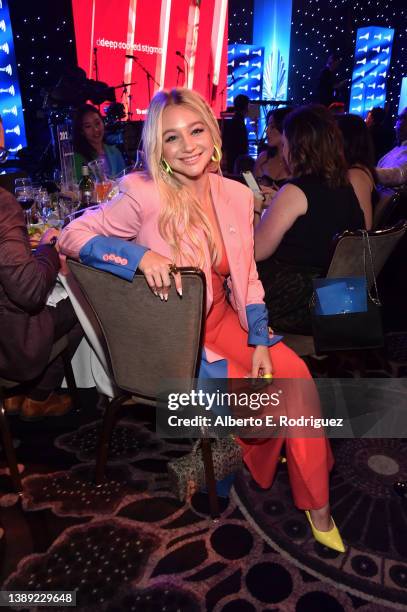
pixel 43 204
pixel 140 160
pixel 57 177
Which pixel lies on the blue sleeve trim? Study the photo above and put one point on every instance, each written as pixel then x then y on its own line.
pixel 257 319
pixel 113 255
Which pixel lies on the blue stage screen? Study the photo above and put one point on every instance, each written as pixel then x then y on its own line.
pixel 272 31
pixel 403 95
pixel 10 98
pixel 371 68
pixel 245 71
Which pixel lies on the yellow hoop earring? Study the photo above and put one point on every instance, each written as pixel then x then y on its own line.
pixel 166 166
pixel 217 154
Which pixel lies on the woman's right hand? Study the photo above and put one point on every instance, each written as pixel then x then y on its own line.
pixel 156 269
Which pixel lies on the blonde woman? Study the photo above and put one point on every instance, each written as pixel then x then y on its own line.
pixel 183 212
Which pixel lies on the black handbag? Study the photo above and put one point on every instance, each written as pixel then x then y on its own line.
pixel 351 330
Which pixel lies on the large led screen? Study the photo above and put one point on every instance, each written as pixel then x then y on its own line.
pixel 371 68
pixel 11 109
pixel 175 42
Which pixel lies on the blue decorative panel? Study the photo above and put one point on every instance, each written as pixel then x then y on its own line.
pixel 245 71
pixel 371 67
pixel 403 95
pixel 10 98
pixel 272 31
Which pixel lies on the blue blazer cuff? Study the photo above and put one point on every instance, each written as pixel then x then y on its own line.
pixel 257 319
pixel 112 255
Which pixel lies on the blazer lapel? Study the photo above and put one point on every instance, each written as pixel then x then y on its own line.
pixel 226 218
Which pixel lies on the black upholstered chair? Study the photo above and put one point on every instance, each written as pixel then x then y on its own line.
pixel 391 208
pixel 347 260
pixel 147 341
pixel 60 348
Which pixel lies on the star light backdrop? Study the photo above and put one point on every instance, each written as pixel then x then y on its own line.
pixel 320 26
pixel 44 47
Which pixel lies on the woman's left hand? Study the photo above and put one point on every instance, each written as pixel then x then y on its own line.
pixel 262 200
pixel 268 193
pixel 261 362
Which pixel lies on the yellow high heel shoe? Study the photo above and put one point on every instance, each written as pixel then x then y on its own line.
pixel 331 539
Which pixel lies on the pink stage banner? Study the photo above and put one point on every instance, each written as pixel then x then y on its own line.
pixel 179 42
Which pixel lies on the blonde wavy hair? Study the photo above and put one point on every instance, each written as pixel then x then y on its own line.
pixel 182 219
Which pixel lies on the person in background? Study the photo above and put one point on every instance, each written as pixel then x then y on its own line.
pixel 30 327
pixel 235 138
pixel 392 168
pixel 293 238
pixel 271 169
pixel 183 212
pixel 382 135
pixel 328 85
pixel 359 155
pixel 88 144
pixel 337 108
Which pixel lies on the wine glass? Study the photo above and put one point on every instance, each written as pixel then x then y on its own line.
pixel 25 197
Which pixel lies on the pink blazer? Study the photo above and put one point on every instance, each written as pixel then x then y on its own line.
pixel 133 215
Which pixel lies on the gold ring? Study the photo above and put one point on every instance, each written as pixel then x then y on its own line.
pixel 172 268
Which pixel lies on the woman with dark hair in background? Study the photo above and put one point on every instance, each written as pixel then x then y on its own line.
pixel 293 239
pixel 359 155
pixel 88 134
pixel 271 168
pixel 382 133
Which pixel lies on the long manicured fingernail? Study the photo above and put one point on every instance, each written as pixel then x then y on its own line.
pixel 155 292
pixel 166 298
pixel 179 291
pixel 161 297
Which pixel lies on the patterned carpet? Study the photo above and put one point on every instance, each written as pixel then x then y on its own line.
pixel 131 545
pixel 372 521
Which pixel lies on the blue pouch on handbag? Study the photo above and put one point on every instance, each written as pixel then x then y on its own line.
pixel 340 295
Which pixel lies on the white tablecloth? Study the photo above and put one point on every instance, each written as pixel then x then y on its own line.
pixel 89 363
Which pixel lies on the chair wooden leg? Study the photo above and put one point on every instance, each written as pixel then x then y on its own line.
pixel 210 477
pixel 9 451
pixel 105 435
pixel 70 380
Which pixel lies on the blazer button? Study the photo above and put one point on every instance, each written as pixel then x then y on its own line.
pixel 232 229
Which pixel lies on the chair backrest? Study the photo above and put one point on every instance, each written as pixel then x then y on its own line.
pixel 348 260
pixel 99 358
pixel 386 207
pixel 149 340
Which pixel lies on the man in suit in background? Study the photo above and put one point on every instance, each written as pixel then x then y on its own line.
pixel 28 326
pixel 234 138
pixel 328 84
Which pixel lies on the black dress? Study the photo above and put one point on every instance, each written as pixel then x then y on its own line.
pixel 305 251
